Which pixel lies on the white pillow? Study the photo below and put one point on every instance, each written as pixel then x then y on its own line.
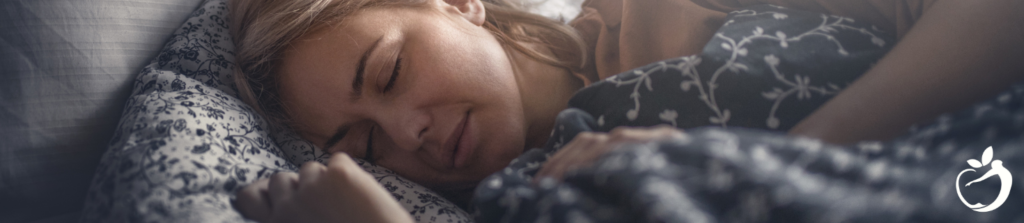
pixel 563 10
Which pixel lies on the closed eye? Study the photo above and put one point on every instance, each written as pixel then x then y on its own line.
pixel 369 147
pixel 394 75
pixel 387 87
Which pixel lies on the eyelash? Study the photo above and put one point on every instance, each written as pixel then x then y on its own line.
pixel 369 147
pixel 394 75
pixel 387 87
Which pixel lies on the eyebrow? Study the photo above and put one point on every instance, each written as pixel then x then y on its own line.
pixel 357 82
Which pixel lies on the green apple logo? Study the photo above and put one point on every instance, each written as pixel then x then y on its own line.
pixel 998 170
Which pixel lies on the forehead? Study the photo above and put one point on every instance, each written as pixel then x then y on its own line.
pixel 348 38
pixel 335 49
pixel 317 68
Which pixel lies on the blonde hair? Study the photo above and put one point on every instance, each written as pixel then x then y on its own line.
pixel 262 30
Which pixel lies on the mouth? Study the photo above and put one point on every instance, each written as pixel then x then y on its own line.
pixel 460 143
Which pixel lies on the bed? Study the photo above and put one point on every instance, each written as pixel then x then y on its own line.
pixel 142 124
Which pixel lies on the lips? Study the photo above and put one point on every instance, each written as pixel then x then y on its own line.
pixel 460 144
pixel 451 146
pixel 466 145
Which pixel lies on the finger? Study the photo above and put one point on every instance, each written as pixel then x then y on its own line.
pixel 253 202
pixel 574 154
pixel 370 197
pixel 632 134
pixel 624 134
pixel 310 172
pixel 556 160
pixel 669 129
pixel 341 160
pixel 342 167
pixel 669 132
pixel 586 154
pixel 281 187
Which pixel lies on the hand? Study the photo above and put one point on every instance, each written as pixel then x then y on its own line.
pixel 339 192
pixel 583 150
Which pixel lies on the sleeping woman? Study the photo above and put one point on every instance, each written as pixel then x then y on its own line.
pixel 447 92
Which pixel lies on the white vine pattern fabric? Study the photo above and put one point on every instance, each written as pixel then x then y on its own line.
pixel 705 80
pixel 185 143
pixel 717 174
pixel 729 82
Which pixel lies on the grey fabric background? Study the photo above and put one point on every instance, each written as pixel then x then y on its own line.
pixel 65 71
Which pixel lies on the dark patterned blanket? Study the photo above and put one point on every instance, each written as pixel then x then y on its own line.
pixel 766 69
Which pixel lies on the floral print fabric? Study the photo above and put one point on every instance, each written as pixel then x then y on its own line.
pixel 766 69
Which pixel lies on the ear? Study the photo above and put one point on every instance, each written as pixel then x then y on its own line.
pixel 471 10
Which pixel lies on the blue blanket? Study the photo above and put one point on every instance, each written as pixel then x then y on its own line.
pixel 766 69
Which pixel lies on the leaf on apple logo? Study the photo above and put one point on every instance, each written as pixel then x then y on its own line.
pixel 986 157
pixel 974 163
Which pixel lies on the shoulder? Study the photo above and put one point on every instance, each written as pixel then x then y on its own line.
pixel 624 34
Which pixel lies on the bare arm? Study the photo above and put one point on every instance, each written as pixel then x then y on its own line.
pixel 958 53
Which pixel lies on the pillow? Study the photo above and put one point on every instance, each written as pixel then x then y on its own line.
pixel 563 10
pixel 66 68
pixel 185 143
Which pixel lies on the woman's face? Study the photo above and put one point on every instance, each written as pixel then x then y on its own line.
pixel 434 91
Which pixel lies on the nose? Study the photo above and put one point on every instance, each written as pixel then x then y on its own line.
pixel 406 126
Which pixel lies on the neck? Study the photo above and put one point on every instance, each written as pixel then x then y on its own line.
pixel 545 91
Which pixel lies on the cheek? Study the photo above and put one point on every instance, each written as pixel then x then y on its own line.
pixel 502 122
pixel 503 132
pixel 473 59
pixel 472 71
pixel 476 72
